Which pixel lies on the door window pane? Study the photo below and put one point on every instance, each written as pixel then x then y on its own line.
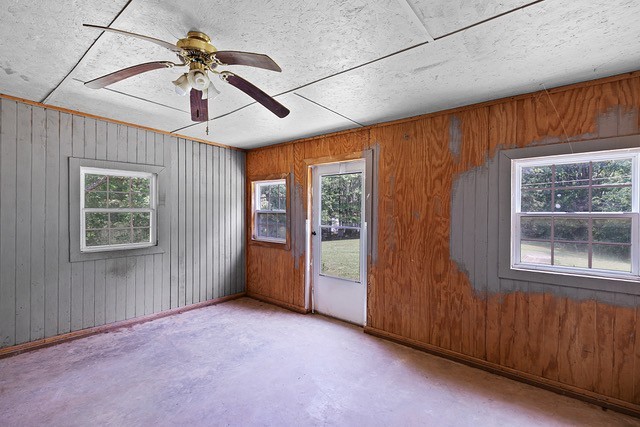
pixel 341 199
pixel 340 253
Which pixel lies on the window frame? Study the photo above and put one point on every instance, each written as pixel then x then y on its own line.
pixel 152 209
pixel 516 214
pixel 72 212
pixel 255 203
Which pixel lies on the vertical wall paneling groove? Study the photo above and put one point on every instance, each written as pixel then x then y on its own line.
pixel 195 296
pixel 38 165
pixel 435 279
pixel 203 236
pixel 233 221
pixel 8 132
pixel 223 225
pixel 209 219
pixel 227 228
pixel 217 273
pixel 188 224
pixel 23 223
pixel 52 182
pixel 42 293
pixel 64 269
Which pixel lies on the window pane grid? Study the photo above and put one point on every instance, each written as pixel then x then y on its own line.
pixel 117 209
pixel 589 243
pixel 578 215
pixel 270 214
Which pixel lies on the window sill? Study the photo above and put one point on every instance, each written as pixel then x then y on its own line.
pixel 620 284
pixel 115 253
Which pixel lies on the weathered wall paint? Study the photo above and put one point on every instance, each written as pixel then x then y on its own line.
pixel 42 294
pixel 415 288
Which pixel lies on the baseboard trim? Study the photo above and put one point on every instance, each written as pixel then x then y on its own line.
pixel 554 386
pixel 281 304
pixel 82 333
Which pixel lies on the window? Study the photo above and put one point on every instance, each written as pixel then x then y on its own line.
pixel 576 213
pixel 270 211
pixel 117 209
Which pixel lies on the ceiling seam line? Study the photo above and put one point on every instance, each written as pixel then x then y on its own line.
pixel 328 109
pixel 375 60
pixel 138 98
pixel 484 21
pixel 408 48
pixel 412 11
pixel 44 100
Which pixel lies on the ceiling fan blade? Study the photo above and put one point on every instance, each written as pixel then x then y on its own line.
pixel 199 107
pixel 256 93
pixel 259 60
pixel 125 73
pixel 171 46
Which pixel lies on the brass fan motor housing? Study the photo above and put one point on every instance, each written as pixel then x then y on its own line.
pixel 197 41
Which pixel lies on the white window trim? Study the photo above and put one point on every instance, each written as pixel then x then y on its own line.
pixel 256 203
pixel 152 210
pixel 516 175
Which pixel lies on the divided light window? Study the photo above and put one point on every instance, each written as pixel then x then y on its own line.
pixel 577 214
pixel 270 211
pixel 118 209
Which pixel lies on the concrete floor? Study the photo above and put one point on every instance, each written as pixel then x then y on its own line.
pixel 249 363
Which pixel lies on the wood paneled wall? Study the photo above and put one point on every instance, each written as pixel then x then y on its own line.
pixel 416 292
pixel 42 294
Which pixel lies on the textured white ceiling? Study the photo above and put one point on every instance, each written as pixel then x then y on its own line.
pixel 317 44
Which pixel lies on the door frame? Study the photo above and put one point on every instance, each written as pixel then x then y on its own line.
pixel 370 157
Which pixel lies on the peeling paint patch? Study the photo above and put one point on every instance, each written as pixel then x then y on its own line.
pixel 607 122
pixel 455 136
pixel 468 200
pixel 628 123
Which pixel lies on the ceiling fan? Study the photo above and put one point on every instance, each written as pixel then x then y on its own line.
pixel 196 52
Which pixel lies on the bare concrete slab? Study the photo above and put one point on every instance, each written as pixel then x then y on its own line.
pixel 249 363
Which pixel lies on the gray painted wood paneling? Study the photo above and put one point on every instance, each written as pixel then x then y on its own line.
pixel 42 294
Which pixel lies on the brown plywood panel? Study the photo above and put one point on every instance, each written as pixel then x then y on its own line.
pixel 624 343
pixel 572 114
pixel 604 355
pixel 502 126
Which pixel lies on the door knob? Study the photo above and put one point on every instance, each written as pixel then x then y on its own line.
pixel 313 233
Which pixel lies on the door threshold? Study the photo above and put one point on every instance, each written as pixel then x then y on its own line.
pixel 338 319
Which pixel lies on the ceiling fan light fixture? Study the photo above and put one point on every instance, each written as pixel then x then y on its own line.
pixel 182 85
pixel 198 79
pixel 211 92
